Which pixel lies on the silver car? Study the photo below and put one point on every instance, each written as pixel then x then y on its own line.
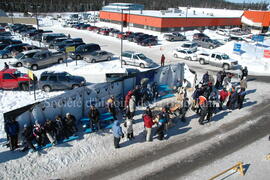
pixel 18 60
pixel 98 56
pixel 43 59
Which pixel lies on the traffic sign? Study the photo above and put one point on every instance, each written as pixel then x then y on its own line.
pixel 30 74
pixel 237 48
pixel 258 38
pixel 70 49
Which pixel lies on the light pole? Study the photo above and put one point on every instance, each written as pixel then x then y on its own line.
pixel 36 6
pixel 122 37
pixel 186 18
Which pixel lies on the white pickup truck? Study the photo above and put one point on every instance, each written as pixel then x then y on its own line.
pixel 218 59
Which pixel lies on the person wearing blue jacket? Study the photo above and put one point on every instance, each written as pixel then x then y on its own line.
pixel 12 129
pixel 117 133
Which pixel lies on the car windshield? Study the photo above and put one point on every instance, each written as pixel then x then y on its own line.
pixel 186 45
pixel 225 56
pixel 19 56
pixel 141 56
pixel 189 52
pixel 17 74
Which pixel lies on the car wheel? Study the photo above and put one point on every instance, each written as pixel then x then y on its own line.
pixel 226 66
pixel 175 55
pixel 109 58
pixel 93 61
pixel 34 67
pixel 201 61
pixel 47 88
pixel 24 87
pixel 19 64
pixel 124 62
pixel 74 86
pixel 142 65
pixel 5 56
pixel 78 57
pixel 60 61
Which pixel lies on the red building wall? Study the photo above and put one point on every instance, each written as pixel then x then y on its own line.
pixel 170 22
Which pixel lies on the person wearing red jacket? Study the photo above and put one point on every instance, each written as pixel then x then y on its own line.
pixel 127 98
pixel 148 123
pixel 223 94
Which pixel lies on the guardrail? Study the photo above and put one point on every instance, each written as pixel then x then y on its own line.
pixel 238 167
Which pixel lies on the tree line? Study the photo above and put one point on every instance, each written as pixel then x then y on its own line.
pixel 88 5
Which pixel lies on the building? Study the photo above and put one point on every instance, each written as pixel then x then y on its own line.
pixel 183 18
pixel 126 6
pixel 257 20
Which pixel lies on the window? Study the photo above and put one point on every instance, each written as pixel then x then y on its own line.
pixel 218 57
pixel 128 55
pixel 136 57
pixel 213 56
pixel 52 78
pixel 7 76
pixel 62 78
pixel 43 78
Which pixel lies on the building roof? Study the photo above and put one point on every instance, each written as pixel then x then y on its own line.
pixel 185 13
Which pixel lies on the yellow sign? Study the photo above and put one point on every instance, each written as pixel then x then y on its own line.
pixel 31 74
pixel 70 49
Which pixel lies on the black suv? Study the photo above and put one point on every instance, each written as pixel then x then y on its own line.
pixel 59 81
pixel 83 50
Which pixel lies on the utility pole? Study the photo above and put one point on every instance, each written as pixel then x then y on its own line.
pixel 121 38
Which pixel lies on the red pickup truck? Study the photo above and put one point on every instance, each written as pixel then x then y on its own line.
pixel 13 79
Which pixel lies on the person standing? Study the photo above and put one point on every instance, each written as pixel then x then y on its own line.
pixel 112 107
pixel 129 127
pixel 218 81
pixel 117 133
pixel 204 112
pixel 205 78
pixel 162 60
pixel 13 131
pixel 244 73
pixel 241 97
pixel 94 117
pixel 154 89
pixel 70 123
pixel 6 66
pixel 60 128
pixel 148 123
pixel 160 128
pixel 223 94
pixel 39 134
pixel 28 137
pixel 243 84
pixel 132 106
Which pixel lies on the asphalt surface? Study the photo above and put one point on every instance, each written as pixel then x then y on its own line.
pixel 184 166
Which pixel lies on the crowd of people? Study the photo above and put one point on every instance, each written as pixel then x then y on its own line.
pixel 209 96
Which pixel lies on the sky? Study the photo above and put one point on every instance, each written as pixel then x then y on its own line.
pixel 248 1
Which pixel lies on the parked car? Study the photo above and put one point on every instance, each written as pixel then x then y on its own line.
pixel 190 46
pixel 132 36
pixel 48 37
pixel 136 59
pixel 207 43
pixel 17 61
pixel 83 50
pixel 85 26
pixel 185 54
pixel 223 32
pixel 43 59
pixel 13 79
pixel 148 42
pixel 114 33
pixel 2 29
pixel 59 80
pixel 10 41
pixel 67 43
pixel 56 42
pixel 7 51
pixel 6 34
pixel 104 31
pixel 92 28
pixel 175 37
pixel 218 59
pixel 198 36
pixel 3 45
pixel 236 38
pixel 98 56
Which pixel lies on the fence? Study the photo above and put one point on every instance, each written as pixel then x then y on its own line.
pixel 24 20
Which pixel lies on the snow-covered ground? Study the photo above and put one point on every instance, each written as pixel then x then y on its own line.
pixel 97 147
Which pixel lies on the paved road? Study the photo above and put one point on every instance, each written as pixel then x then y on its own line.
pixel 183 166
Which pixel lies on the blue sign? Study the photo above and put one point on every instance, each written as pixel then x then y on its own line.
pixel 258 38
pixel 237 47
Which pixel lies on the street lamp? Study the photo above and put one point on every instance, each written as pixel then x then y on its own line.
pixel 35 7
pixel 122 37
pixel 186 18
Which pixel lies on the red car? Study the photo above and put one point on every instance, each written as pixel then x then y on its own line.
pixel 92 28
pixel 2 29
pixel 121 35
pixel 104 31
pixel 13 79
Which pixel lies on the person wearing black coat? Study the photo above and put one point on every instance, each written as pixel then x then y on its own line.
pixel 28 137
pixel 50 131
pixel 244 73
pixel 219 80
pixel 205 78
pixel 13 131
pixel 70 124
pixel 137 94
pixel 94 117
pixel 60 128
pixel 241 98
pixel 204 111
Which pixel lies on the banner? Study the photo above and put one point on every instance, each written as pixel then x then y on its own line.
pixel 30 74
pixel 237 48
pixel 266 53
pixel 70 49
